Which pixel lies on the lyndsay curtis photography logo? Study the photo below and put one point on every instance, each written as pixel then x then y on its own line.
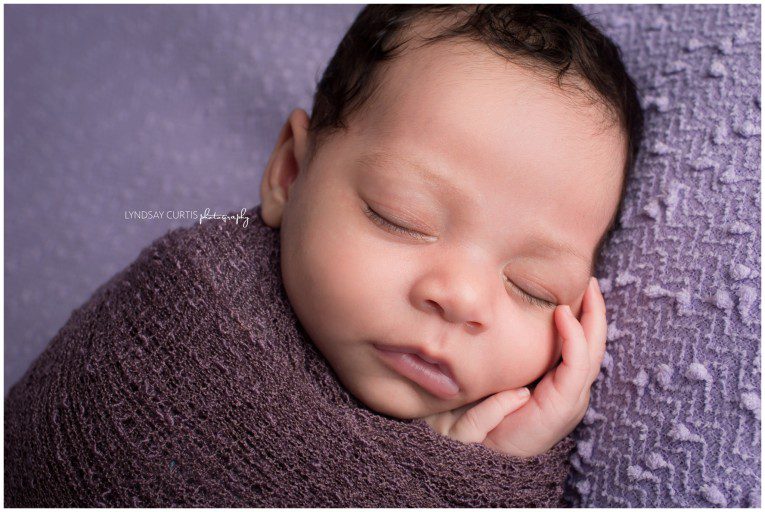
pixel 187 214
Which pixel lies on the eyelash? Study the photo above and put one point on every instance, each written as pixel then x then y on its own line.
pixel 385 223
pixel 530 298
pixel 378 219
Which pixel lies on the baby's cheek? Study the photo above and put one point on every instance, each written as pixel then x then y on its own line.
pixel 576 306
pixel 363 287
pixel 524 358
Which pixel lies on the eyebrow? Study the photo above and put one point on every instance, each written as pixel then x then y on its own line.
pixel 371 159
pixel 375 158
pixel 538 240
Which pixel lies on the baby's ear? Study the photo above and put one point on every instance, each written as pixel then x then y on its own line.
pixel 299 121
pixel 284 167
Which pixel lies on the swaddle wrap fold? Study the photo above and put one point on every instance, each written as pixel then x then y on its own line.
pixel 187 380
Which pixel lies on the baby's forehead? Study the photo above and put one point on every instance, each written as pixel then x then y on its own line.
pixel 473 112
pixel 420 73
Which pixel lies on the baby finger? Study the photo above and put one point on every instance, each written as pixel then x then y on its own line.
pixel 478 421
pixel 594 325
pixel 571 375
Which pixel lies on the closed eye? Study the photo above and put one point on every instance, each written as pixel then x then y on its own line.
pixel 390 226
pixel 531 299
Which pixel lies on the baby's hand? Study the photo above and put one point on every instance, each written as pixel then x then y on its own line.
pixel 523 426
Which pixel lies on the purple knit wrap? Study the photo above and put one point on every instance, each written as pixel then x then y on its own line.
pixel 187 380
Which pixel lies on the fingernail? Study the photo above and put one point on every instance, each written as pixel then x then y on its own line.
pixel 568 311
pixel 523 392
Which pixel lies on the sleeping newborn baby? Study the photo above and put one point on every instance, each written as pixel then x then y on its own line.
pixel 442 211
pixel 421 259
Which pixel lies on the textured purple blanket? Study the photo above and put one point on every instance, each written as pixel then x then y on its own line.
pixel 186 380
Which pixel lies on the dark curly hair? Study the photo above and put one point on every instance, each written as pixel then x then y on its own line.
pixel 551 38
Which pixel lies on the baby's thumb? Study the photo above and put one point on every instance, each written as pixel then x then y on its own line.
pixel 475 424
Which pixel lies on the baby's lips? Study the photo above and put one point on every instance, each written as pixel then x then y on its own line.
pixel 442 363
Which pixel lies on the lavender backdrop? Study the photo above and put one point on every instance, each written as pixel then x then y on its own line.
pixel 675 417
pixel 118 108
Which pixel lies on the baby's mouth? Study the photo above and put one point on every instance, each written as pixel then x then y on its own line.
pixel 431 374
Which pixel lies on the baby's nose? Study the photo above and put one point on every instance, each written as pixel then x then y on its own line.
pixel 457 297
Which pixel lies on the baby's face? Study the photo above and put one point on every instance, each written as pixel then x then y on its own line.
pixel 499 183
